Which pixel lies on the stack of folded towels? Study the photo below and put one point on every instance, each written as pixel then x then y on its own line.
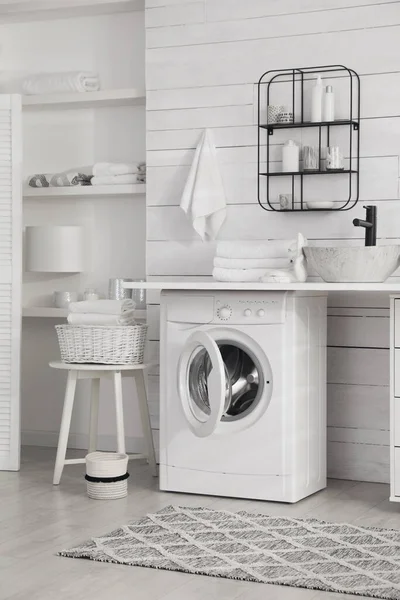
pixel 278 260
pixel 105 173
pixel 102 312
pixel 53 83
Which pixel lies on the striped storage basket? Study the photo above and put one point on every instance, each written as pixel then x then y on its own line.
pixel 106 475
pixel 117 345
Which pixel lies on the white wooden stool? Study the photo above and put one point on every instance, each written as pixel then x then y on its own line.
pixel 95 373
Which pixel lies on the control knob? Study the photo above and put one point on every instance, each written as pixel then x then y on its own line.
pixel 224 312
pixel 261 312
pixel 248 312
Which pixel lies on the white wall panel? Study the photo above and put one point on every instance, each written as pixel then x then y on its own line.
pixel 203 74
pixel 378 180
pixel 359 331
pixel 225 10
pixel 175 14
pixel 244 62
pixel 319 22
pixel 246 222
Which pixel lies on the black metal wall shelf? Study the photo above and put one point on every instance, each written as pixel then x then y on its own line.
pixel 297 78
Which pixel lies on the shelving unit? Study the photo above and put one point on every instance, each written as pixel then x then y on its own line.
pixel 83 191
pixel 296 78
pixel 71 101
pixel 51 312
pixel 41 10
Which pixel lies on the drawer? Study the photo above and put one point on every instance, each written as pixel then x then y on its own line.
pixel 396 482
pixel 397 323
pixel 396 373
pixel 396 421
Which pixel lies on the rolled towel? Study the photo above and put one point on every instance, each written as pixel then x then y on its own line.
pixel 53 83
pixel 238 275
pixel 103 307
pixel 251 263
pixel 114 179
pixel 256 249
pixel 63 179
pixel 102 169
pixel 97 319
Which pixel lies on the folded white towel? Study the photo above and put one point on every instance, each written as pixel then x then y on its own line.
pixel 103 307
pixel 97 319
pixel 114 179
pixel 237 275
pixel 251 263
pixel 255 249
pixel 52 83
pixel 203 198
pixel 102 169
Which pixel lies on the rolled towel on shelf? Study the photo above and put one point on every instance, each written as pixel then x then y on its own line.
pixel 53 83
pixel 101 319
pixel 251 263
pixel 63 179
pixel 238 275
pixel 103 307
pixel 114 179
pixel 254 249
pixel 102 169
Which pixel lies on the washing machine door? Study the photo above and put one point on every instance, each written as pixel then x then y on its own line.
pixel 204 387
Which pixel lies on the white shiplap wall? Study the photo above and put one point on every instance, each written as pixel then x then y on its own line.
pixel 202 59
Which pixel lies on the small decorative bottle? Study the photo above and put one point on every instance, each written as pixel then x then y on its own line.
pixel 316 101
pixel 329 104
pixel 290 157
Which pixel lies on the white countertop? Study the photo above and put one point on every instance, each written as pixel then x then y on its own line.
pixel 313 286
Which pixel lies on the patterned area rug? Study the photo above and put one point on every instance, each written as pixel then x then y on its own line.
pixel 307 553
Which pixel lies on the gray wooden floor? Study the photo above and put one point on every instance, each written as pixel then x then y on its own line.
pixel 37 520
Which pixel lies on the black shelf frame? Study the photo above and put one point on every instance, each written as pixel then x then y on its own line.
pixel 297 77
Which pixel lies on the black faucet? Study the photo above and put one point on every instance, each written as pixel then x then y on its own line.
pixel 369 224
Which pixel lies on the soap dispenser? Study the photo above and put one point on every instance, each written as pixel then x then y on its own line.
pixel 316 101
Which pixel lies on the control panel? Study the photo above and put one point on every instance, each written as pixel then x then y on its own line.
pixel 244 307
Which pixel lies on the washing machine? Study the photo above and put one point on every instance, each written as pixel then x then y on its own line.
pixel 243 393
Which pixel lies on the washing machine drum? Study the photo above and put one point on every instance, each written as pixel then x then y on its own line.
pixel 241 380
pixel 222 381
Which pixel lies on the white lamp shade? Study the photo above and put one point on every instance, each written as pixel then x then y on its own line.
pixel 57 249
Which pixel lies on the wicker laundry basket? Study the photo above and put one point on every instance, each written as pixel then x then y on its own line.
pixel 106 475
pixel 117 345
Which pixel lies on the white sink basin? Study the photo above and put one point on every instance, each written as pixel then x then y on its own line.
pixel 362 264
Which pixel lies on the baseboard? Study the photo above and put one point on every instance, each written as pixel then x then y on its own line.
pixel 49 439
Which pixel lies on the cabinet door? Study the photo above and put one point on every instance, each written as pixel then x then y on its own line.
pixel 10 278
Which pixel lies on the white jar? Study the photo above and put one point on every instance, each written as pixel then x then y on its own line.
pixel 290 157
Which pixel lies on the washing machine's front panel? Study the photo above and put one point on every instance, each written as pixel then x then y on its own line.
pixel 235 427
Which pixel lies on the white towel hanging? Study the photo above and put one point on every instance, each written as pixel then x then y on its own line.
pixel 203 198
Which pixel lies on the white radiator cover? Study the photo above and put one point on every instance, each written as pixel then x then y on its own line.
pixel 10 279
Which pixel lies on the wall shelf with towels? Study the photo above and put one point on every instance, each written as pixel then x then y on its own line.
pixel 293 82
pixel 79 100
pixel 43 10
pixel 51 312
pixel 83 191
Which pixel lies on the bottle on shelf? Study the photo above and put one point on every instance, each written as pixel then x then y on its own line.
pixel 329 104
pixel 290 157
pixel 316 101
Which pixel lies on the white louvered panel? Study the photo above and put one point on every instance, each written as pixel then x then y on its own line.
pixel 10 278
